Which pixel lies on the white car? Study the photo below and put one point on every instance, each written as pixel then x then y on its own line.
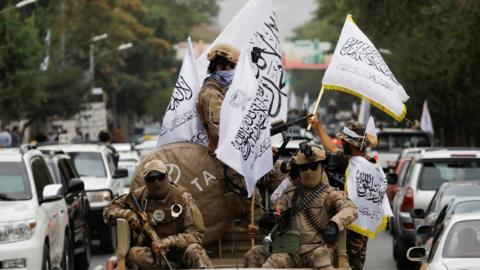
pixel 128 159
pixel 103 182
pixel 34 230
pixel 456 246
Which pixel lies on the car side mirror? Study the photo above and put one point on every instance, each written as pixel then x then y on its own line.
pixel 424 231
pixel 52 193
pixel 392 178
pixel 120 173
pixel 417 213
pixel 76 185
pixel 417 254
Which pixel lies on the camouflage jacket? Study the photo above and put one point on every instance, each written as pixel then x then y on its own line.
pixel 208 104
pixel 330 205
pixel 186 229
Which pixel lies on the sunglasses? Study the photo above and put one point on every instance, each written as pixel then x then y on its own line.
pixel 312 166
pixel 158 177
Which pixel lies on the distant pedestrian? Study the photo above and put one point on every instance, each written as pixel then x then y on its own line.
pixel 78 136
pixel 5 138
pixel 16 137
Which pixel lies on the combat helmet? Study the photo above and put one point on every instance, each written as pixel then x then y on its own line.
pixel 227 51
pixel 308 154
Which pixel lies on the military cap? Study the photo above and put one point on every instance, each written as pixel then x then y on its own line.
pixel 354 133
pixel 153 167
pixel 224 50
pixel 317 155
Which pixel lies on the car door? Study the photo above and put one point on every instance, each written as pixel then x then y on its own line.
pixel 55 210
pixel 117 183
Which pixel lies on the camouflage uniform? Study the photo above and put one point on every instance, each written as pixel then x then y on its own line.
pixel 184 232
pixel 331 205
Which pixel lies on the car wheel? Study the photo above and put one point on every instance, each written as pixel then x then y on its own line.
pixel 108 240
pixel 82 260
pixel 67 256
pixel 395 248
pixel 46 257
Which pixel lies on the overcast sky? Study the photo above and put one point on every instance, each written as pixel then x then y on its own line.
pixel 290 13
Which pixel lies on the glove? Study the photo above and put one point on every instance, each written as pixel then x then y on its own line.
pixel 131 217
pixel 162 245
pixel 330 233
pixel 252 231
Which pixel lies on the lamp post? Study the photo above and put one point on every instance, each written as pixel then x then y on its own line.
pixel 92 57
pixel 122 47
pixel 18 5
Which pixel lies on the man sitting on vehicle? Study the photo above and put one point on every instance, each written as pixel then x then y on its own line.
pixel 172 214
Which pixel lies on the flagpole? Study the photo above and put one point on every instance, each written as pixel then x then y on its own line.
pixel 317 104
pixel 252 216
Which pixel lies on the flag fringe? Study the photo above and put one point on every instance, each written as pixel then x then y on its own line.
pixel 370 234
pixel 398 118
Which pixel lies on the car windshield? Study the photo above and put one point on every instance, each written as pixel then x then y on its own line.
pixel 398 141
pixel 14 184
pixel 437 172
pixel 453 192
pixel 89 164
pixel 463 240
pixel 466 207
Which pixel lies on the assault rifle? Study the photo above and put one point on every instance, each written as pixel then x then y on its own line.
pixel 147 227
pixel 281 127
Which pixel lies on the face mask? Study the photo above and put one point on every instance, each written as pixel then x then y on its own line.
pixel 310 179
pixel 225 77
pixel 347 149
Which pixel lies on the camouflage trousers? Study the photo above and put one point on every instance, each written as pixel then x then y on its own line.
pixel 319 258
pixel 194 256
pixel 356 249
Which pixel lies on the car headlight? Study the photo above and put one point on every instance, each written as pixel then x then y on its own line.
pixel 17 231
pixel 99 198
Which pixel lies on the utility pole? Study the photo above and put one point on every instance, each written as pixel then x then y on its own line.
pixel 92 58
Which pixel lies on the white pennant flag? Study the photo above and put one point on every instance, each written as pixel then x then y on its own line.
pixel 306 102
pixel 292 100
pixel 426 120
pixel 255 26
pixel 364 112
pixel 244 143
pixel 358 68
pixel 181 122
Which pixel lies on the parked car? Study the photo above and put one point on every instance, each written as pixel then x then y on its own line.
pixel 445 193
pixel 34 228
pixel 391 142
pixel 455 246
pixel 102 180
pixel 427 171
pixel 65 173
pixel 129 159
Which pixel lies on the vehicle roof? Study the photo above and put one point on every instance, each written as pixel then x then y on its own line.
pixel 123 147
pixel 15 154
pixel 457 183
pixel 442 153
pixel 458 200
pixel 464 216
pixel 74 147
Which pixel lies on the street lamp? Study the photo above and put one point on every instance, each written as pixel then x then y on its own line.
pixel 121 47
pixel 19 5
pixel 92 56
pixel 125 46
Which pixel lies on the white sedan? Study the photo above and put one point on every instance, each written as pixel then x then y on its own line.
pixel 455 246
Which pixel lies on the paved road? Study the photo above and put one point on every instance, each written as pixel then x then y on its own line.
pixel 379 255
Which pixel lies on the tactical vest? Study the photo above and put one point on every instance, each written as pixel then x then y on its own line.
pixel 208 84
pixel 166 225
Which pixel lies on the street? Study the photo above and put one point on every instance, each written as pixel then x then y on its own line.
pixel 379 254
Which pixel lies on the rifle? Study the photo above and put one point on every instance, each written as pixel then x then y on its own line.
pixel 147 227
pixel 282 127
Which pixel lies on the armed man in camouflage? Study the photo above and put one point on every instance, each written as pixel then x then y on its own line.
pixel 316 211
pixel 174 217
pixel 355 141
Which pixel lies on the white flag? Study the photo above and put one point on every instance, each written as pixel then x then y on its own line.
pixel 306 101
pixel 364 112
pixel 181 122
pixel 366 187
pixel 255 26
pixel 292 100
pixel 370 128
pixel 244 143
pixel 426 120
pixel 358 68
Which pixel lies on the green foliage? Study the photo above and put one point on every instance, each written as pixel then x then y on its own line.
pixel 435 54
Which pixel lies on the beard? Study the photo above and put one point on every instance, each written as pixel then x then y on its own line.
pixel 347 149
